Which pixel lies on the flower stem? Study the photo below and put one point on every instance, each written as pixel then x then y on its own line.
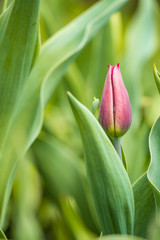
pixel 117 145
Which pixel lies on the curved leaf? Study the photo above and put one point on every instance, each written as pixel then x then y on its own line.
pixel 109 182
pixel 19 26
pixel 153 173
pixel 21 29
pixel 145 207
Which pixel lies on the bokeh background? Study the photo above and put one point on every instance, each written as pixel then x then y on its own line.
pixel 51 198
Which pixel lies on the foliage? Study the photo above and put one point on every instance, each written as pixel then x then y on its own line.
pixel 45 190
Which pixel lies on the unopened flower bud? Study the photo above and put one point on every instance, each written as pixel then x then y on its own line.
pixel 156 76
pixel 95 107
pixel 115 110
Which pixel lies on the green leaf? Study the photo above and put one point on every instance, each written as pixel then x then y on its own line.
pixel 153 173
pixel 17 45
pixel 109 182
pixel 145 207
pixel 19 25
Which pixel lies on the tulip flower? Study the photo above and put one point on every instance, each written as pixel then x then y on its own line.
pixel 115 110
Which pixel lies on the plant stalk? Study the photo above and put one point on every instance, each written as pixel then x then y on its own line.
pixel 117 145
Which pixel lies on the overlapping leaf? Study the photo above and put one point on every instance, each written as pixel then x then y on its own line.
pixel 153 173
pixel 109 182
pixel 147 188
pixel 17 45
pixel 145 208
pixel 17 42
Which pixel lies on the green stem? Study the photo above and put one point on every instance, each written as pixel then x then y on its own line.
pixel 117 145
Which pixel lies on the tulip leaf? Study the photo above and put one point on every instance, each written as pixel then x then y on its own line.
pixel 18 28
pixel 18 54
pixel 109 182
pixel 153 173
pixel 145 207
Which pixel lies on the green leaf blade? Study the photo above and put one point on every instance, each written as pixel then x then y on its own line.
pixel 154 168
pixel 144 212
pixel 17 45
pixel 109 182
pixel 19 24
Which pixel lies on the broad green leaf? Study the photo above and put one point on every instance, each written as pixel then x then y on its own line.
pixel 145 207
pixel 17 44
pixel 63 176
pixel 153 173
pixel 109 182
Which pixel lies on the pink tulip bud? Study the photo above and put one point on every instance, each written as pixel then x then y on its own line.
pixel 115 109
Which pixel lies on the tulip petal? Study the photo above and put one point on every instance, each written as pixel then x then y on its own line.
pixel 123 114
pixel 106 108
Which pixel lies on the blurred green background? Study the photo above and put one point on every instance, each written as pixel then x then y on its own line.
pixel 51 197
